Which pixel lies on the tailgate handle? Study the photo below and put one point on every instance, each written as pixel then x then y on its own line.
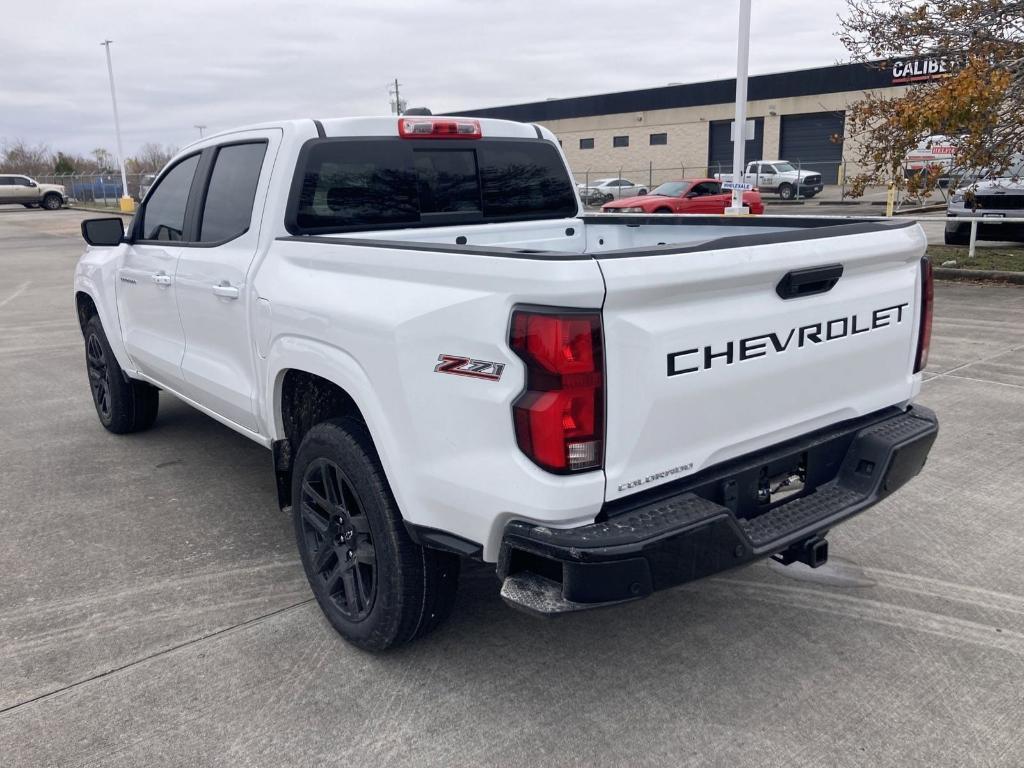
pixel 808 282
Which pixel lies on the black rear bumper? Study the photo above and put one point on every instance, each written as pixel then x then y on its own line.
pixel 717 519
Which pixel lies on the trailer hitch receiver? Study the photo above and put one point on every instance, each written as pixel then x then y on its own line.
pixel 812 552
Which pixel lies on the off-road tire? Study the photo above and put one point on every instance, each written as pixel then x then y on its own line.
pixel 349 530
pixel 123 405
pixel 52 201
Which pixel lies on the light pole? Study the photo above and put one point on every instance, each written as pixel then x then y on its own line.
pixel 127 204
pixel 201 128
pixel 740 140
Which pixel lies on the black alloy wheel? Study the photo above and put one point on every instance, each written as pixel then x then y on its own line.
pixel 337 537
pixel 99 376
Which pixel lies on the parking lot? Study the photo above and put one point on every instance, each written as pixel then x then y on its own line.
pixel 153 610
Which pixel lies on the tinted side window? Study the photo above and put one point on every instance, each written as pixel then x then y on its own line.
pixel 6 181
pixel 164 215
pixel 227 210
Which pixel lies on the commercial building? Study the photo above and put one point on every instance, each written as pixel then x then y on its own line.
pixel 674 131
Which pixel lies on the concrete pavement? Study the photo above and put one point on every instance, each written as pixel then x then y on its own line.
pixel 153 611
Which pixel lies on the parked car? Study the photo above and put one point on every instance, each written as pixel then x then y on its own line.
pixel 602 190
pixel 30 193
pixel 993 198
pixel 781 177
pixel 447 359
pixel 694 196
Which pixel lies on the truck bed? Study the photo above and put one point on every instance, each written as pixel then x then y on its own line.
pixel 610 235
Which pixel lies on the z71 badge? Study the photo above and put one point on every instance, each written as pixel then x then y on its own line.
pixel 464 366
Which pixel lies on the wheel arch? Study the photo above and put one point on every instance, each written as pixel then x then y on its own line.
pixel 85 307
pixel 312 382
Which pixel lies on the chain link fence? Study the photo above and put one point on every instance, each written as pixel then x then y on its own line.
pixel 99 189
pixel 638 179
pixel 594 186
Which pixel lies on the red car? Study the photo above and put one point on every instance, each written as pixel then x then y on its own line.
pixel 687 196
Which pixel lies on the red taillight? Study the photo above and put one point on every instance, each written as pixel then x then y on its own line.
pixel 438 128
pixel 924 336
pixel 559 419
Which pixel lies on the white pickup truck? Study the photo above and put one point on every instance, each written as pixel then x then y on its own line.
pixel 448 360
pixel 781 177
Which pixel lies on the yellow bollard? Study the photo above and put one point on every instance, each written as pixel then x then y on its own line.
pixel 127 205
pixel 890 199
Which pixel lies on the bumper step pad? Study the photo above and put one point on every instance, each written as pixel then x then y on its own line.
pixel 689 535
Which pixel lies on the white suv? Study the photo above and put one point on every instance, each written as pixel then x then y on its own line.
pixel 30 193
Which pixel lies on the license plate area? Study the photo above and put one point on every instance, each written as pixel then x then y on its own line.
pixel 759 489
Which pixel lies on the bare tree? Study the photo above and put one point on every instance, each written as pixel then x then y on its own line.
pixel 150 158
pixel 16 156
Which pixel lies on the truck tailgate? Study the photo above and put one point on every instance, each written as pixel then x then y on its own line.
pixel 706 360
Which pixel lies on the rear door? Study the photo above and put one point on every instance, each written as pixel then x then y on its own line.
pixel 706 361
pixel 215 295
pixel 146 291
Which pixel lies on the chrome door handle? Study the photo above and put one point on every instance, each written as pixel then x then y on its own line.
pixel 225 290
pixel 162 278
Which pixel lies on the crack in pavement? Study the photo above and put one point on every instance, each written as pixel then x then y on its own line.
pixel 17 292
pixel 188 643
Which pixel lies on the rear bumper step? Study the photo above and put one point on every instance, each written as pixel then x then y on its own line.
pixel 716 521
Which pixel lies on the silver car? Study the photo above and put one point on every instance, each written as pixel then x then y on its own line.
pixel 994 198
pixel 600 191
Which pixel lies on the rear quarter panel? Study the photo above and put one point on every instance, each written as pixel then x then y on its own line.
pixel 375 321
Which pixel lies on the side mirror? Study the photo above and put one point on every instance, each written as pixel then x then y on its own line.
pixel 108 231
pixel 690 194
pixel 32 183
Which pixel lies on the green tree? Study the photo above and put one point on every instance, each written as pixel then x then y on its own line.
pixel 64 164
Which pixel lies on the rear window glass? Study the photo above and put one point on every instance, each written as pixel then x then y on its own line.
pixel 357 184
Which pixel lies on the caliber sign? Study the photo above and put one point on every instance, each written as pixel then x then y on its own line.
pixel 917 70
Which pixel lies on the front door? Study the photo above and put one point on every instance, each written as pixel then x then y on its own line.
pixel 768 179
pixel 146 290
pixel 215 296
pixel 706 197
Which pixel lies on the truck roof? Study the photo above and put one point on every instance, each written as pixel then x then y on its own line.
pixel 386 125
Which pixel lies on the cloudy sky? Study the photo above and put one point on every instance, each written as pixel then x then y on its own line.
pixel 224 63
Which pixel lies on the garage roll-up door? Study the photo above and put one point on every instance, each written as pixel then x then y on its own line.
pixel 720 145
pixel 807 140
